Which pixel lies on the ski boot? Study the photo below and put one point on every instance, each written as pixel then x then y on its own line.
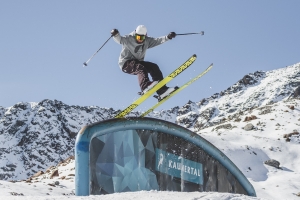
pixel 150 85
pixel 166 93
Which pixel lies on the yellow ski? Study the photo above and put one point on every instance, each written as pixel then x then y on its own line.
pixel 167 79
pixel 176 91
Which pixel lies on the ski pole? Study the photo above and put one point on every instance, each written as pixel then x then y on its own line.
pixel 85 63
pixel 201 33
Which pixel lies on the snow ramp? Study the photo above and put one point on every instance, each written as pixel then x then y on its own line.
pixel 134 154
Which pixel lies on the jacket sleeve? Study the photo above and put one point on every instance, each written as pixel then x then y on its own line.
pixel 157 41
pixel 119 39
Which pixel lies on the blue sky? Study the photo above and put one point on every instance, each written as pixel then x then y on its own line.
pixel 44 43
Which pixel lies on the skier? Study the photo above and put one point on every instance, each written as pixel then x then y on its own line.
pixel 131 60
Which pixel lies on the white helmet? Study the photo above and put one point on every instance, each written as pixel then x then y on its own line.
pixel 141 30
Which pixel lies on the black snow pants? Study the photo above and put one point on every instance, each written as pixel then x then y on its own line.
pixel 141 69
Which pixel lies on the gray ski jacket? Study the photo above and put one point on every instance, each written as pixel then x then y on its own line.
pixel 133 50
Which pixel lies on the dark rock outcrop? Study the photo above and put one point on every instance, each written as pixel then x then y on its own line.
pixel 273 163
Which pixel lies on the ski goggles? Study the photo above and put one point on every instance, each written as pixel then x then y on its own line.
pixel 140 37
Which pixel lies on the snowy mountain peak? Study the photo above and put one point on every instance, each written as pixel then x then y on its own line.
pixel 252 91
pixel 40 134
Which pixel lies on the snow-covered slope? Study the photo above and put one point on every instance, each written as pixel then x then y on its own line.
pixel 255 120
pixel 58 183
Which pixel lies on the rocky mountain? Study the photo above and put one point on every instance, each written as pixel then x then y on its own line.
pixel 258 89
pixel 35 136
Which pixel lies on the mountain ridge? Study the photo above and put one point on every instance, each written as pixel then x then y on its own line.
pixel 34 136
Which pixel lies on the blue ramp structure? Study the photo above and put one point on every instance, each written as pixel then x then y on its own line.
pixel 134 154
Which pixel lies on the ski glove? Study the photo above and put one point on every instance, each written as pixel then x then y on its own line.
pixel 171 35
pixel 114 32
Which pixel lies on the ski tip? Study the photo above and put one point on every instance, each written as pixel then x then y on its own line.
pixel 194 55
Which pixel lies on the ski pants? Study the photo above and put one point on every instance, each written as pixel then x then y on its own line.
pixel 141 69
